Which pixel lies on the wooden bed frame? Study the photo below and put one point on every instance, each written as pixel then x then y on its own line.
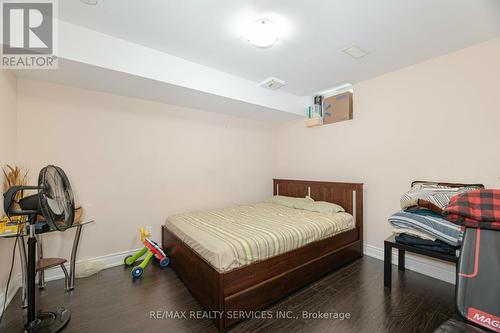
pixel 258 285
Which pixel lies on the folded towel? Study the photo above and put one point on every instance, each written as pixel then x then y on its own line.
pixel 413 232
pixel 424 220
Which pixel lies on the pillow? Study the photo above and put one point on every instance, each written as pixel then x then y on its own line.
pixel 291 202
pixel 323 207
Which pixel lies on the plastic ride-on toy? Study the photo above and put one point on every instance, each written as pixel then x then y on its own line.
pixel 152 249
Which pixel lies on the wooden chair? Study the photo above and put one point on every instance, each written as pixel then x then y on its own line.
pixel 45 263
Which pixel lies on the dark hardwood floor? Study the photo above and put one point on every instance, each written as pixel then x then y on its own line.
pixel 111 302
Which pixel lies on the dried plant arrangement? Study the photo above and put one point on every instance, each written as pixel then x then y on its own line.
pixel 14 176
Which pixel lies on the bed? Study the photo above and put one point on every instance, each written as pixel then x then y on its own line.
pixel 229 281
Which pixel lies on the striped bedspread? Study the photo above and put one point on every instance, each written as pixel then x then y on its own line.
pixel 237 236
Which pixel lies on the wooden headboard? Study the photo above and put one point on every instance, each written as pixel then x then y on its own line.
pixel 347 195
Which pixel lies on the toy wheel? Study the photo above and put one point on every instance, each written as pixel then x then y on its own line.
pixel 164 262
pixel 125 261
pixel 137 272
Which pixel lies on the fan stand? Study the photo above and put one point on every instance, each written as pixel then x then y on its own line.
pixel 41 322
pixel 53 185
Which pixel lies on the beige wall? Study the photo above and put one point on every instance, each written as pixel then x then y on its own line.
pixel 133 162
pixel 437 120
pixel 8 106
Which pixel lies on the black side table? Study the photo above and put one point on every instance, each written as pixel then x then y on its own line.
pixel 390 243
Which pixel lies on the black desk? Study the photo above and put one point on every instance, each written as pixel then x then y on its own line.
pixel 390 243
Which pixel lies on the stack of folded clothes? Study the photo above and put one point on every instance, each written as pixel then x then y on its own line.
pixel 421 223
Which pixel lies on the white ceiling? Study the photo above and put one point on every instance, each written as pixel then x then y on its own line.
pixel 396 34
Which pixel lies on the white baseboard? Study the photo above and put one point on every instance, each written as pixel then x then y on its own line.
pixel 107 261
pixel 430 267
pixel 55 273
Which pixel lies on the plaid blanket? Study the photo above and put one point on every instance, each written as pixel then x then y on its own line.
pixel 475 209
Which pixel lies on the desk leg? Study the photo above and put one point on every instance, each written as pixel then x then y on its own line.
pixel 401 260
pixel 72 262
pixel 387 264
pixel 24 276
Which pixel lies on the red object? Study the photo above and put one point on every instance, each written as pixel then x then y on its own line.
pixel 475 209
pixel 155 248
pixel 484 319
pixel 476 257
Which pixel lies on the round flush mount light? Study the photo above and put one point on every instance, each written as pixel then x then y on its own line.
pixel 262 33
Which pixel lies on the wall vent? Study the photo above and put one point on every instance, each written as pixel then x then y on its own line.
pixel 355 52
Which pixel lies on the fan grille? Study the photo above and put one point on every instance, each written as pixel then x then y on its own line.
pixel 56 198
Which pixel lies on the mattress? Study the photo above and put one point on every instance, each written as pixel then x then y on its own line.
pixel 237 236
pixel 426 221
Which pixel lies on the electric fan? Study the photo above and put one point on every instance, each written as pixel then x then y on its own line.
pixel 54 200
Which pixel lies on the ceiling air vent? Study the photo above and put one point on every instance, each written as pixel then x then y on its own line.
pixel 272 83
pixel 89 2
pixel 355 52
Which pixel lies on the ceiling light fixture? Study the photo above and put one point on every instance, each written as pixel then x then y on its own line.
pixel 262 33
